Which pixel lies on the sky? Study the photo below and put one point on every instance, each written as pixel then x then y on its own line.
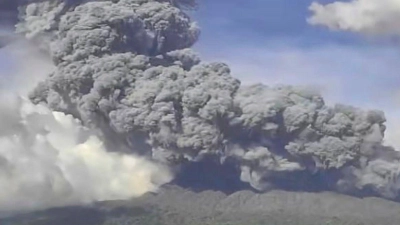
pixel 270 41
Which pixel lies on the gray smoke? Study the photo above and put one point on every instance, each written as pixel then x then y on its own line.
pixel 48 159
pixel 124 67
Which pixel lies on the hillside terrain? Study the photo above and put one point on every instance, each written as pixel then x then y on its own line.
pixel 174 205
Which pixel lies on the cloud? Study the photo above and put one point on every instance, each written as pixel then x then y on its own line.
pixel 375 17
pixel 47 158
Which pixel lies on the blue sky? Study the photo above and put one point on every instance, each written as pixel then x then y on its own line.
pixel 260 20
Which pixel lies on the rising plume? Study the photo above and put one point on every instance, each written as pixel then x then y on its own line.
pixel 125 70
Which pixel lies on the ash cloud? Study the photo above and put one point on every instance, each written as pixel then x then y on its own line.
pixel 125 69
pixel 48 159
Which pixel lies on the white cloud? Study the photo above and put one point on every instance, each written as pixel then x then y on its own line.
pixel 376 17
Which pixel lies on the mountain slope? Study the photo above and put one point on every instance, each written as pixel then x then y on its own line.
pixel 174 205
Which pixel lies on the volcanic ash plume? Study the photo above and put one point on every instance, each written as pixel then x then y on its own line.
pixel 124 68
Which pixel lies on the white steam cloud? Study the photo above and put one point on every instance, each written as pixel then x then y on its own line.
pixel 48 159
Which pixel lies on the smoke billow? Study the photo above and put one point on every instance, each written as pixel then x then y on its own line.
pixel 125 70
pixel 48 159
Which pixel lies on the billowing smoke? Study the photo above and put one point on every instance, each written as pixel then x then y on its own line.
pixel 125 70
pixel 48 159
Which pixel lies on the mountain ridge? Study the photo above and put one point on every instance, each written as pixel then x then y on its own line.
pixel 175 205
